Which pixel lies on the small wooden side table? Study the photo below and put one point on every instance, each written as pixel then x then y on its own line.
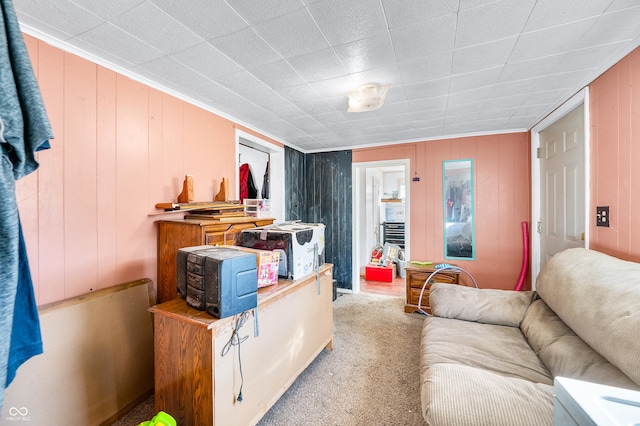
pixel 416 275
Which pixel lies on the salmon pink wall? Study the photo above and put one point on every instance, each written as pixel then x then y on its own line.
pixel 502 200
pixel 615 157
pixel 120 147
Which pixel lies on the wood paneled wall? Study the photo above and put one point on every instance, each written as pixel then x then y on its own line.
pixel 328 201
pixel 502 200
pixel 120 147
pixel 294 183
pixel 615 158
pixel 319 191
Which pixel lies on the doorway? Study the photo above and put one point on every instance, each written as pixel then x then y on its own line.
pixel 380 191
pixel 560 181
pixel 262 151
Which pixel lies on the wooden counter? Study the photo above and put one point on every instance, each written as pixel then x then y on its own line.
pixel 197 385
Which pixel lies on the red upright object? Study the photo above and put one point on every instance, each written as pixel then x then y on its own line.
pixel 525 256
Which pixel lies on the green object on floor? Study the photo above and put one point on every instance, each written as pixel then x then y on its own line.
pixel 160 419
pixel 418 262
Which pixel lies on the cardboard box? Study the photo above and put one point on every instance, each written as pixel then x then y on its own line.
pixel 296 242
pixel 267 263
pixel 380 273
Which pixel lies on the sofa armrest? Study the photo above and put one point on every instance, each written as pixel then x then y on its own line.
pixel 489 306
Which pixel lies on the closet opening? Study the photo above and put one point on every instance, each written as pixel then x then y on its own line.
pixel 254 175
pixel 260 172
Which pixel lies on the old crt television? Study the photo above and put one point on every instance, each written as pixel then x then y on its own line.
pixel 219 280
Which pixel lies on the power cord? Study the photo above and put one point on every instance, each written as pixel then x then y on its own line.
pixel 236 340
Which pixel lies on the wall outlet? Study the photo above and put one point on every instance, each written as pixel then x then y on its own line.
pixel 602 216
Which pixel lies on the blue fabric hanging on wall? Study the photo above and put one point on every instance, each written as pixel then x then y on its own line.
pixel 26 339
pixel 24 129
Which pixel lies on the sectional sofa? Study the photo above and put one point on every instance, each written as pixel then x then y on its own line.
pixel 489 357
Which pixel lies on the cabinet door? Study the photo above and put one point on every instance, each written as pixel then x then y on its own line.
pixel 214 238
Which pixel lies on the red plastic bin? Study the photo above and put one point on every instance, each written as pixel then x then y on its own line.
pixel 380 273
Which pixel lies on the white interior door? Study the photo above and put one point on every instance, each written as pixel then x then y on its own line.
pixel 562 173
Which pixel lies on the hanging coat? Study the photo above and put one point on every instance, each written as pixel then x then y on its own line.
pixel 265 184
pixel 247 185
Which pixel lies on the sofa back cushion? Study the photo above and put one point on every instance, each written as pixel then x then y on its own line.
pixel 598 297
pixel 479 305
pixel 564 353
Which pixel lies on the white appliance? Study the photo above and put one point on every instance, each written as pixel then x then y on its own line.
pixel 394 211
pixel 590 404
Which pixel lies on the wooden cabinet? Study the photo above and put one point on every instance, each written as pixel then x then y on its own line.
pixel 175 234
pixel 197 379
pixel 415 279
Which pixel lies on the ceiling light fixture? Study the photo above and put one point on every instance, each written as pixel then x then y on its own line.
pixel 368 97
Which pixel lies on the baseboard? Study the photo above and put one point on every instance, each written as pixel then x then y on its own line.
pixel 126 410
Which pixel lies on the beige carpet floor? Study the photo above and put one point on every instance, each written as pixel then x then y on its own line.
pixel 370 378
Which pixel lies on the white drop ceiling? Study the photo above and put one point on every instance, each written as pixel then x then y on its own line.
pixel 284 67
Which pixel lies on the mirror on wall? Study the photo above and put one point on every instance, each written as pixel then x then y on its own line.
pixel 457 178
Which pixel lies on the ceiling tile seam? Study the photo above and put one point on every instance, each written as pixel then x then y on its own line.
pixel 333 49
pixel 238 13
pixel 171 18
pixel 611 2
pixel 446 107
pixel 393 48
pixel 275 50
pixel 282 57
pixel 607 11
pixel 524 25
pixel 103 21
pixel 558 74
pixel 71 48
pixel 102 17
pixel 564 24
pixel 170 56
pixel 22 26
pixel 77 38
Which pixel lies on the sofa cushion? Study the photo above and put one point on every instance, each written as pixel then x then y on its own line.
pixel 482 305
pixel 597 296
pixel 500 349
pixel 463 395
pixel 564 353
